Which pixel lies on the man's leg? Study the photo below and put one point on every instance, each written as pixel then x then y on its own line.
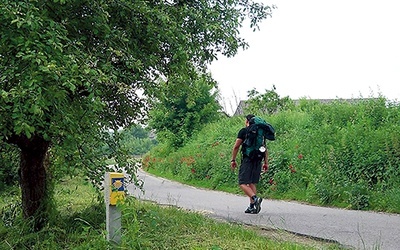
pixel 257 202
pixel 248 190
pixel 253 187
pixel 247 184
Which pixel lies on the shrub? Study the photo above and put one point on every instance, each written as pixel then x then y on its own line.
pixel 335 154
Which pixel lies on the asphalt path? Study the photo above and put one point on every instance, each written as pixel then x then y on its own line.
pixel 352 229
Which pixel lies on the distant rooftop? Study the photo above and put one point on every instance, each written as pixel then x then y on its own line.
pixel 242 104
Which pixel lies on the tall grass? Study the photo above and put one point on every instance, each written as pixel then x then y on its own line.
pixel 339 154
pixel 80 224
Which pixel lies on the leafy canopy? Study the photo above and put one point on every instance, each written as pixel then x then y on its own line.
pixel 177 115
pixel 267 103
pixel 72 69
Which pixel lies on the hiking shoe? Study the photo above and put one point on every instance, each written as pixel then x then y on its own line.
pixel 257 204
pixel 251 210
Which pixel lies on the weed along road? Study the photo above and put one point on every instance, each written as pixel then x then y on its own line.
pixel 353 229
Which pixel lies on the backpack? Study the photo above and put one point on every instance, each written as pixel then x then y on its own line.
pixel 256 133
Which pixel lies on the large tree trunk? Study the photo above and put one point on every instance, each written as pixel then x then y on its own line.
pixel 33 178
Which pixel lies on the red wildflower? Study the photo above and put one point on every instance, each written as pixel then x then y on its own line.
pixel 193 170
pixel 188 160
pixel 300 156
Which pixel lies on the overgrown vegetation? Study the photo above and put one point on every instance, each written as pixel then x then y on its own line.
pixel 73 70
pixel 134 140
pixel 80 224
pixel 342 153
pixel 175 115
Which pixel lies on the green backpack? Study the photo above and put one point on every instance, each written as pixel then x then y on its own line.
pixel 254 144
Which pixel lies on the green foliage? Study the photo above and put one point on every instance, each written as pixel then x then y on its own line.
pixel 135 140
pixel 345 150
pixel 172 228
pixel 80 224
pixel 204 158
pixel 72 70
pixel 342 154
pixel 9 161
pixel 268 103
pixel 182 108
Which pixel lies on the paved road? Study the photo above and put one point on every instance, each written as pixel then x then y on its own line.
pixel 354 229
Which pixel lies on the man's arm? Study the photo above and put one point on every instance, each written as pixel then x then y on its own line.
pixel 235 151
pixel 265 165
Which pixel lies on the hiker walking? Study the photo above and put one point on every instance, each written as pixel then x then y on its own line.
pixel 251 160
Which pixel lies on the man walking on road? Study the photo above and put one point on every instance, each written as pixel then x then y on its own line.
pixel 250 169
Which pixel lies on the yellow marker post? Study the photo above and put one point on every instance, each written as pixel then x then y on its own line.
pixel 114 192
pixel 117 193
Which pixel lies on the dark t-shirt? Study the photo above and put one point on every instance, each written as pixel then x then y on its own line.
pixel 242 135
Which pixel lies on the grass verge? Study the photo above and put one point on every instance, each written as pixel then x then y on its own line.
pixel 80 224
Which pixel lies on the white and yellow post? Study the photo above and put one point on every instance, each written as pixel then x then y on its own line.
pixel 114 193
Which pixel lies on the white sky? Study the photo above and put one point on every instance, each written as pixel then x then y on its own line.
pixel 317 49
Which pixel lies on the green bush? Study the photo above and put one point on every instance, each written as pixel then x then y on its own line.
pixel 9 165
pixel 339 153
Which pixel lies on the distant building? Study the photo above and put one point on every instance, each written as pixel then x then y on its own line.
pixel 240 108
pixel 242 104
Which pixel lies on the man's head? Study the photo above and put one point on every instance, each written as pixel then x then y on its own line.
pixel 248 118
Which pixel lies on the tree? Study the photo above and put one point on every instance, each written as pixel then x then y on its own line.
pixel 137 140
pixel 73 69
pixel 268 103
pixel 176 115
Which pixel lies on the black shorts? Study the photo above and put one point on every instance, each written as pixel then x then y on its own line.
pixel 249 171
